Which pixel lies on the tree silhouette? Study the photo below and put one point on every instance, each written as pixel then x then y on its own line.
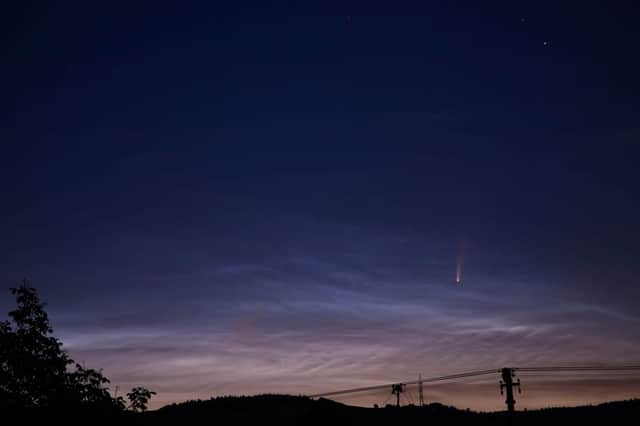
pixel 139 398
pixel 33 366
pixel 35 370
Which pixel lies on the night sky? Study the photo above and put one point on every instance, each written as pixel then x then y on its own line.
pixel 216 201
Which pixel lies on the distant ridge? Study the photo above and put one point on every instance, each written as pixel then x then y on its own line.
pixel 285 410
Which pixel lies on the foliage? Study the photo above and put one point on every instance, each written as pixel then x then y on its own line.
pixel 36 372
pixel 139 398
pixel 33 366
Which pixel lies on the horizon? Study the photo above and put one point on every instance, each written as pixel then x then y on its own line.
pixel 292 199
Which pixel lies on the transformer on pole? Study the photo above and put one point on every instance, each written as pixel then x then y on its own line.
pixel 508 384
pixel 396 390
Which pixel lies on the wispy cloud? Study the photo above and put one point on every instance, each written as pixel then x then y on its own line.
pixel 321 319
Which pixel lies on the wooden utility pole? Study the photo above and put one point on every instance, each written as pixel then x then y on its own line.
pixel 508 384
pixel 397 389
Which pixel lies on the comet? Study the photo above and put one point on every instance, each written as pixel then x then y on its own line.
pixel 459 262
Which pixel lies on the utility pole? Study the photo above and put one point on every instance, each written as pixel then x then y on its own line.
pixel 396 390
pixel 420 394
pixel 508 384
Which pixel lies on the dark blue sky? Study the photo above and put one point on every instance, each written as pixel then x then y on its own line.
pixel 244 179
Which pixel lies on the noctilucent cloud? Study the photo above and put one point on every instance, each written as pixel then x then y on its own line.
pixel 216 201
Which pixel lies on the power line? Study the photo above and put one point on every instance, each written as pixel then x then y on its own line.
pixel 410 394
pixel 386 400
pixel 532 369
pixel 580 368
pixel 413 382
pixel 580 374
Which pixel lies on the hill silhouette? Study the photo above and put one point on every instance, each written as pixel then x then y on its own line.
pixel 285 410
